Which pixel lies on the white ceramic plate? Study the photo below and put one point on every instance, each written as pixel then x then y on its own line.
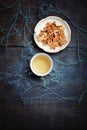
pixel 41 24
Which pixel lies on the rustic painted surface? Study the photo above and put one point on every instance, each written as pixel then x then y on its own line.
pixel 56 101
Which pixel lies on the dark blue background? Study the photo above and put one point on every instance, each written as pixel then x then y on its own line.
pixel 56 101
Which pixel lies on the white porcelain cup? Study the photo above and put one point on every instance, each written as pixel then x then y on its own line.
pixel 41 64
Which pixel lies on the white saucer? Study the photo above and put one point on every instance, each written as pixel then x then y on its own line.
pixel 41 24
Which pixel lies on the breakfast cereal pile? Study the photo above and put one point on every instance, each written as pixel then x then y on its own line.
pixel 52 35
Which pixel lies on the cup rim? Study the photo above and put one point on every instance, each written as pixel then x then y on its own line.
pixel 36 55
